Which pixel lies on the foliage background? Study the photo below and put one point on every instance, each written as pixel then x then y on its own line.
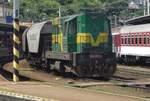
pixel 39 10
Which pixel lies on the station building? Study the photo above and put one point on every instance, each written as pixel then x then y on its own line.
pixel 5 12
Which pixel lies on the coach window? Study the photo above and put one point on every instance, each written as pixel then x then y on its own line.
pixel 125 40
pixel 122 40
pixel 136 40
pixel 132 40
pixel 113 39
pixel 148 40
pixel 129 40
pixel 140 40
pixel 144 40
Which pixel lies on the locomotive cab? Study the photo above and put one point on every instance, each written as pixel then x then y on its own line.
pixel 85 38
pixel 94 45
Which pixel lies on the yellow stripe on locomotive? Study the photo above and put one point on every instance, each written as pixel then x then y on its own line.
pixel 88 38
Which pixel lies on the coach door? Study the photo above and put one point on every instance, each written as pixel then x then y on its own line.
pixel 117 41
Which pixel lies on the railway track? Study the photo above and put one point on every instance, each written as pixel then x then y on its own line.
pixel 124 75
pixel 121 78
pixel 133 74
pixel 135 70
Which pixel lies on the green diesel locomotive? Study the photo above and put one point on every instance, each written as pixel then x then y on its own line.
pixel 81 44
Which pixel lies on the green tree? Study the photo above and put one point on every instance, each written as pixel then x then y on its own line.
pixel 39 10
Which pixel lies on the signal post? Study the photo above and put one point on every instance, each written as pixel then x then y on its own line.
pixel 16 42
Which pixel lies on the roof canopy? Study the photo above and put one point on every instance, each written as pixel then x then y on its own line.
pixel 139 20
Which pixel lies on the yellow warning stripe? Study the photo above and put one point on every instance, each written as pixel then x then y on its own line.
pixel 61 41
pixel 15 78
pixel 16 26
pixel 16 39
pixel 88 38
pixel 15 52
pixel 15 65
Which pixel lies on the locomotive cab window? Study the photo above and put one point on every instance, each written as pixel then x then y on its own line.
pixel 72 28
pixel 65 28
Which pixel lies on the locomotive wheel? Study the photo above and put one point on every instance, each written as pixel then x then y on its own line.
pixel 62 68
pixel 80 71
pixel 48 69
pixel 48 66
pixel 110 71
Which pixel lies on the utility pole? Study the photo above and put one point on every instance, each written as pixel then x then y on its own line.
pixel 61 34
pixel 4 9
pixel 115 16
pixel 144 4
pixel 16 40
pixel 16 4
pixel 59 12
pixel 147 7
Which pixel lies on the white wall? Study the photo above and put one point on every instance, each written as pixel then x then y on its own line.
pixel 8 11
pixel 1 11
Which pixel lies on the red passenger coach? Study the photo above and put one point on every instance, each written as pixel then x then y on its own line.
pixel 132 43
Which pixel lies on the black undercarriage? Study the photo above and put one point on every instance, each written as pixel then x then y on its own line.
pixel 81 64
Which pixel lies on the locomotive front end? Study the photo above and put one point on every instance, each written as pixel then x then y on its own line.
pixel 94 57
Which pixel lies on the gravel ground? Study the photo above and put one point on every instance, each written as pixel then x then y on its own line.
pixel 61 93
